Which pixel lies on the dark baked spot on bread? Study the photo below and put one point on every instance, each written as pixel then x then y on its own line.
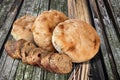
pixel 44 19
pixel 50 30
pixel 23 28
pixel 71 48
pixel 29 30
pixel 37 33
pixel 39 55
pixel 61 26
pixel 55 14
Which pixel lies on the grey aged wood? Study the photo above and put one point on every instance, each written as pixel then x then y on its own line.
pixel 113 9
pixel 6 61
pixel 108 37
pixel 115 5
pixel 112 37
pixel 5 7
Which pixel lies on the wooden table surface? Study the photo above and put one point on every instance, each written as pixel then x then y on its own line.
pixel 104 15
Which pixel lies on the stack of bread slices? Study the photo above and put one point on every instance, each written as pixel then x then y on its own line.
pixel 52 41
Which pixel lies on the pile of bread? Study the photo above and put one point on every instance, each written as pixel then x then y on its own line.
pixel 52 41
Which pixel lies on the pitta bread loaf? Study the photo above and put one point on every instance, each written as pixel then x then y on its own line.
pixel 77 39
pixel 43 27
pixel 22 28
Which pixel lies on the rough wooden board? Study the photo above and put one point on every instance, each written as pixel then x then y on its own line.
pixel 13 70
pixel 116 9
pixel 2 60
pixel 38 74
pixel 20 72
pixel 4 30
pixel 62 7
pixel 10 16
pixel 6 69
pixel 111 35
pixel 4 9
pixel 113 15
pixel 28 72
pixel 104 44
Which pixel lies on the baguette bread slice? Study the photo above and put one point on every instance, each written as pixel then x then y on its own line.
pixel 25 51
pixel 58 63
pixel 13 48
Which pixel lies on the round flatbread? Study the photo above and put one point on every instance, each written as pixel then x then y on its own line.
pixel 77 39
pixel 43 28
pixel 22 28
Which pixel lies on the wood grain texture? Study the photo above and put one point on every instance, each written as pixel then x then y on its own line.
pixel 100 18
pixel 5 8
pixel 6 62
pixel 112 37
pixel 115 5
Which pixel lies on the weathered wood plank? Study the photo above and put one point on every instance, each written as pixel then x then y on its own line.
pixel 60 5
pixel 111 35
pixel 4 9
pixel 20 72
pixel 4 31
pixel 6 69
pixel 113 15
pixel 28 72
pixel 13 70
pixel 38 74
pixel 115 4
pixel 2 60
pixel 105 49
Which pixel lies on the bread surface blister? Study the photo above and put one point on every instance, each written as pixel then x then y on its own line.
pixel 52 42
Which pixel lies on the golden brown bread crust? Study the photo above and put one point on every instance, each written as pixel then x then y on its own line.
pixel 43 27
pixel 77 39
pixel 22 28
pixel 58 63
